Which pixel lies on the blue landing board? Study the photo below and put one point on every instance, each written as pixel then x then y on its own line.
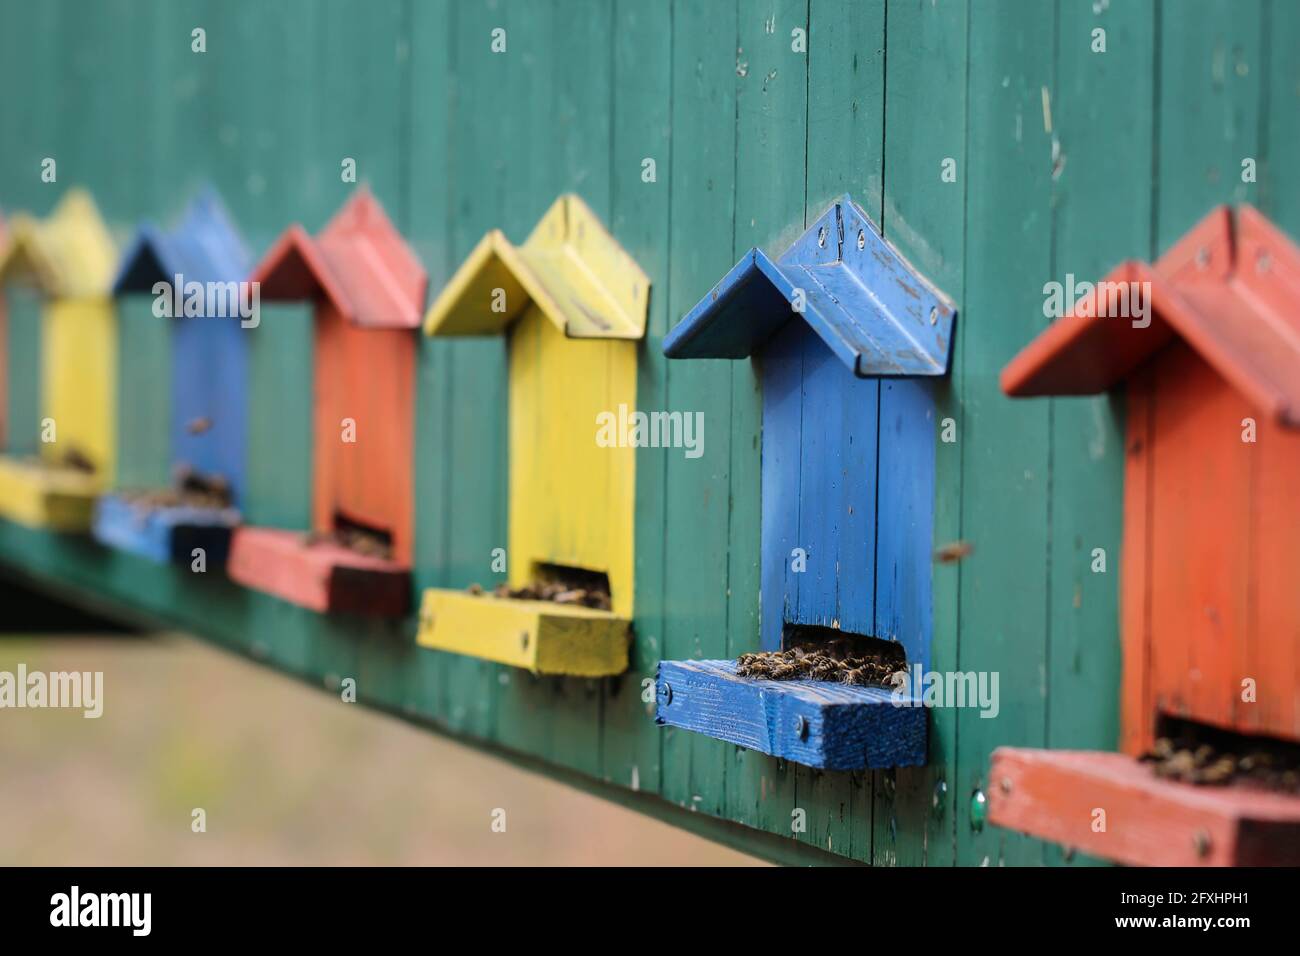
pixel 165 535
pixel 814 723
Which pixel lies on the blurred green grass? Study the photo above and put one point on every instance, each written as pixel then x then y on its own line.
pixel 287 776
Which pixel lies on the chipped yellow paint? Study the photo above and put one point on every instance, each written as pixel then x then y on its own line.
pixel 539 636
pixel 70 258
pixel 574 304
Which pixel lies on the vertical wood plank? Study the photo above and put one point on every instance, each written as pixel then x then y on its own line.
pixel 924 215
pixel 428 214
pixel 1104 127
pixel 480 135
pixel 771 148
pixel 1004 468
pixel 642 128
pixel 703 171
pixel 583 135
pixel 531 179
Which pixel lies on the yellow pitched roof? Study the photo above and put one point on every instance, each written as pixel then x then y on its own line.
pixel 570 267
pixel 68 255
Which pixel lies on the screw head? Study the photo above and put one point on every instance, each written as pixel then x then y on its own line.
pixel 801 727
pixel 1202 258
pixel 934 315
pixel 1005 784
pixel 666 692
pixel 1201 842
pixel 862 239
pixel 821 237
pixel 523 639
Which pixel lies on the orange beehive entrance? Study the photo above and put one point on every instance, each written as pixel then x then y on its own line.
pixel 368 289
pixel 364 430
pixel 1210 623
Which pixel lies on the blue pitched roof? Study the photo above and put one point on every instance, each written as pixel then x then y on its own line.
pixel 203 246
pixel 864 300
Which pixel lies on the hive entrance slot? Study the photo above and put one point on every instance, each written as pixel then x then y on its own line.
pixel 75 460
pixel 369 540
pixel 1196 753
pixel 841 644
pixel 811 652
pixel 563 584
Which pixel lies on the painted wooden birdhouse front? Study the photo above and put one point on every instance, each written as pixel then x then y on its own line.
pixel 849 338
pixel 195 273
pixel 70 258
pixel 1209 347
pixel 368 289
pixel 573 304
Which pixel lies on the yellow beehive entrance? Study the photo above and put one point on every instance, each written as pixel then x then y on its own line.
pixel 79 362
pixel 70 258
pixel 571 501
pixel 573 304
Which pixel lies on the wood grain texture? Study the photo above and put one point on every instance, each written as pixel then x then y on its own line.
pixel 1111 806
pixel 1005 466
pixel 640 220
pixel 817 724
pixel 539 636
pixel 771 115
pixel 436 122
pixel 702 178
pixel 571 501
pixel 915 811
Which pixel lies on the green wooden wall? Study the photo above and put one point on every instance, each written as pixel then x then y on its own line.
pixel 1067 160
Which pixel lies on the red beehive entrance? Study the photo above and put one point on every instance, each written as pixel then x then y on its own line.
pixel 1210 608
pixel 368 290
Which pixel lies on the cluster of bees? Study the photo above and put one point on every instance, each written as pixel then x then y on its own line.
pixel 556 592
pixel 190 489
pixel 801 663
pixel 1188 761
pixel 368 544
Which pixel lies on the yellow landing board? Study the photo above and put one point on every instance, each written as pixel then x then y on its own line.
pixel 539 636
pixel 45 497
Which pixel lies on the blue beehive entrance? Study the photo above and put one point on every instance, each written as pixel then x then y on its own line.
pixel 849 340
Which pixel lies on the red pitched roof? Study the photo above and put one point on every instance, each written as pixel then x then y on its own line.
pixel 1232 295
pixel 359 262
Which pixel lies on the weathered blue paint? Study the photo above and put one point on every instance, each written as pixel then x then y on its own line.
pixel 905 516
pixel 847 458
pixel 819 489
pixel 209 389
pixel 866 302
pixel 165 535
pixel 814 723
